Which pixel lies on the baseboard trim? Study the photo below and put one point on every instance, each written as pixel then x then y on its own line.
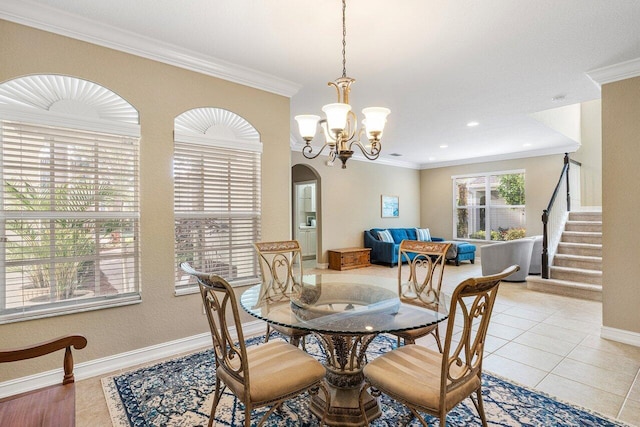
pixel 620 335
pixel 93 368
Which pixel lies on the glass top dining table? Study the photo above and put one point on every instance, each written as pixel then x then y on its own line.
pixel 341 304
pixel 345 312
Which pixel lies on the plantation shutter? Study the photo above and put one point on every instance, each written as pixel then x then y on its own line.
pixel 217 211
pixel 69 218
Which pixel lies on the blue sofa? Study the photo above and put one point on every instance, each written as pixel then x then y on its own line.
pixel 387 253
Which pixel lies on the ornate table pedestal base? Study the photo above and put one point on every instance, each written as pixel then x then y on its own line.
pixel 344 380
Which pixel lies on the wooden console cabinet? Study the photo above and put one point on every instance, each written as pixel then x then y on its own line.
pixel 348 258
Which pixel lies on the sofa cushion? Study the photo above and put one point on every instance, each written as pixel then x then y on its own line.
pixel 385 236
pixel 398 234
pixel 423 234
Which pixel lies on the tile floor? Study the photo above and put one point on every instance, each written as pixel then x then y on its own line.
pixel 547 342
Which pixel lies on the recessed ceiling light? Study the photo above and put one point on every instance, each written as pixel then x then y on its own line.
pixel 444 146
pixel 526 145
pixel 431 159
pixel 558 98
pixel 472 124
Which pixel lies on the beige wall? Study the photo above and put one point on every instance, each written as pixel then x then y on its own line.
pixel 350 199
pixel 590 152
pixel 160 93
pixel 621 204
pixel 541 176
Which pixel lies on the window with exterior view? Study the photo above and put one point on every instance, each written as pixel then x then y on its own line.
pixel 69 216
pixel 489 206
pixel 217 196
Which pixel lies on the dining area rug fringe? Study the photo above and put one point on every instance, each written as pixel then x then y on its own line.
pixel 179 393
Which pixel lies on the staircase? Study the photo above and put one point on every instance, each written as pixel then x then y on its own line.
pixel 577 265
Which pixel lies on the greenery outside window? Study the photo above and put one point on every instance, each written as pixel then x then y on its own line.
pixel 69 212
pixel 489 206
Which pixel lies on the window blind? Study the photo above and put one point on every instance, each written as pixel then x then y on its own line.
pixel 69 218
pixel 217 211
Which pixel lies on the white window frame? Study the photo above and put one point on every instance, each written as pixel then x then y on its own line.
pixel 487 206
pixel 131 131
pixel 218 147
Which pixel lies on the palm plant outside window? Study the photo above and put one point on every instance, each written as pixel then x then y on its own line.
pixel 69 201
pixel 489 206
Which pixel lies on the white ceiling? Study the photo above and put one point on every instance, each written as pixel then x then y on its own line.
pixel 437 64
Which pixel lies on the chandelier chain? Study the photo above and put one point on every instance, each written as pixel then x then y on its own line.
pixel 344 39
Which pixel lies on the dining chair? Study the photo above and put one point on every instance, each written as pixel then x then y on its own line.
pixel 261 375
pixel 440 381
pixel 426 261
pixel 281 271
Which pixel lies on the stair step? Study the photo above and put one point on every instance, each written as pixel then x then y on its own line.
pixel 578 261
pixel 565 287
pixel 592 277
pixel 585 216
pixel 589 226
pixel 582 237
pixel 586 249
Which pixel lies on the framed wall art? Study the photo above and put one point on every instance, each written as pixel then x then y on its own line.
pixel 390 207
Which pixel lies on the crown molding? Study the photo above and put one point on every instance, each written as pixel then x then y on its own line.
pixel 55 21
pixel 616 72
pixel 566 148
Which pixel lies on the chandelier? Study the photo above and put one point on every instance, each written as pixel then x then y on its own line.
pixel 340 125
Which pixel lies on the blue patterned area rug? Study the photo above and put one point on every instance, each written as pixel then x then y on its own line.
pixel 179 393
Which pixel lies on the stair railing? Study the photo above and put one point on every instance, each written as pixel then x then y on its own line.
pixel 555 217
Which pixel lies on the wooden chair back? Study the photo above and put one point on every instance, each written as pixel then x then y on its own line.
pixel 220 305
pixel 471 307
pixel 280 267
pixel 425 273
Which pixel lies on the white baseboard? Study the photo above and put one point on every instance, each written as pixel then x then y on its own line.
pixel 93 368
pixel 620 335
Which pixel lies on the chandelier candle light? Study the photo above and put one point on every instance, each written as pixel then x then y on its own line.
pixel 340 126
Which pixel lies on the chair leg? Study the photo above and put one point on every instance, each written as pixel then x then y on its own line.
pixel 216 399
pixel 266 337
pixel 436 335
pixel 480 407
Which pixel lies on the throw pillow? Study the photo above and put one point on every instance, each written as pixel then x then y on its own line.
pixel 385 236
pixel 423 234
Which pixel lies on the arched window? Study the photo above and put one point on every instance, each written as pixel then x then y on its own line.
pixel 69 202
pixel 217 157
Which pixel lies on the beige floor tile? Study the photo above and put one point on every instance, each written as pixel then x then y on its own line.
pixel 91 407
pixel 545 343
pixel 503 331
pixel 516 371
pixel 631 412
pixel 492 344
pixel 573 324
pixel 614 347
pixel 574 392
pixel 529 356
pixel 604 379
pixel 535 315
pixel 605 360
pixel 557 332
pixel 516 322
pixel 634 394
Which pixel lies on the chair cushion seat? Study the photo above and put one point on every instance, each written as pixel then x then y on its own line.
pixel 412 374
pixel 414 334
pixel 47 407
pixel 276 369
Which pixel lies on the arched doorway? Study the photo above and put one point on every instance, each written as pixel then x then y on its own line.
pixel 306 216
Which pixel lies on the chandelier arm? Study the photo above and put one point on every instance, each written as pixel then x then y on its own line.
pixel 373 154
pixel 307 149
